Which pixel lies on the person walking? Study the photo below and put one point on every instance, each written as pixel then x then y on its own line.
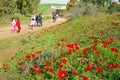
pixel 39 20
pixel 54 16
pixel 33 23
pixel 18 24
pixel 36 19
pixel 13 24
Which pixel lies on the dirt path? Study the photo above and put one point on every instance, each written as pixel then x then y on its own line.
pixel 5 32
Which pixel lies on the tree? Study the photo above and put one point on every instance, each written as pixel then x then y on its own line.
pixel 23 6
pixel 100 3
pixel 8 6
pixel 71 3
pixel 27 6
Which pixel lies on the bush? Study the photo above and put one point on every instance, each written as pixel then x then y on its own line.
pixel 114 7
pixel 83 9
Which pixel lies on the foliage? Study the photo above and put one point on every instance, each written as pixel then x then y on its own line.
pixel 114 7
pixel 71 3
pixel 83 9
pixel 9 6
pixel 86 48
pixel 102 3
pixel 27 7
pixel 98 2
pixel 86 7
pixel 23 6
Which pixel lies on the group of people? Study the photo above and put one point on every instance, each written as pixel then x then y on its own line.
pixel 35 21
pixel 16 24
pixel 55 16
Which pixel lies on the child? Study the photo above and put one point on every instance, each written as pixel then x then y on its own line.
pixel 13 24
pixel 18 25
pixel 33 23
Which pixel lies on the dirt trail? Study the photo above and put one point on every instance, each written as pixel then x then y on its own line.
pixel 5 32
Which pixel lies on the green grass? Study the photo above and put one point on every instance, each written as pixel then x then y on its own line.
pixel 78 31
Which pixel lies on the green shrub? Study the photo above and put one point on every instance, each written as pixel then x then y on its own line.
pixel 114 7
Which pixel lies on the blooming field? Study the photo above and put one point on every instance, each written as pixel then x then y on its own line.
pixel 87 48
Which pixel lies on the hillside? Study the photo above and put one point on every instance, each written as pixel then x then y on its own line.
pixel 86 48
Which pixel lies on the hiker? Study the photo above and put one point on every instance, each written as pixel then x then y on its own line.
pixel 54 16
pixel 39 20
pixel 18 24
pixel 36 19
pixel 13 24
pixel 33 23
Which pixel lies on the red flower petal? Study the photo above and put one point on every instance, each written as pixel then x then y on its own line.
pixel 48 63
pixel 85 51
pixel 62 74
pixel 114 50
pixel 75 73
pixel 84 77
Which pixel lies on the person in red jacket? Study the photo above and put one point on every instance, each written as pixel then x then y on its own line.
pixel 18 24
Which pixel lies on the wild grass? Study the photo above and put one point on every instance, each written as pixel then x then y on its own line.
pixel 81 31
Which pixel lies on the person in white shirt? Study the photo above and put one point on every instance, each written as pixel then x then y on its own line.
pixel 13 22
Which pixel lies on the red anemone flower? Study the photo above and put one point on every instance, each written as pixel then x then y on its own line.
pixel 100 70
pixel 85 51
pixel 64 61
pixel 60 65
pixel 51 70
pixel 35 66
pixel 97 52
pixel 54 60
pixel 95 41
pixel 48 63
pixel 84 77
pixel 62 74
pixel 63 55
pixel 69 52
pixel 100 60
pixel 105 44
pixel 75 73
pixel 114 50
pixel 77 46
pixel 110 67
pixel 89 68
pixel 94 47
pixel 28 57
pixel 38 71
